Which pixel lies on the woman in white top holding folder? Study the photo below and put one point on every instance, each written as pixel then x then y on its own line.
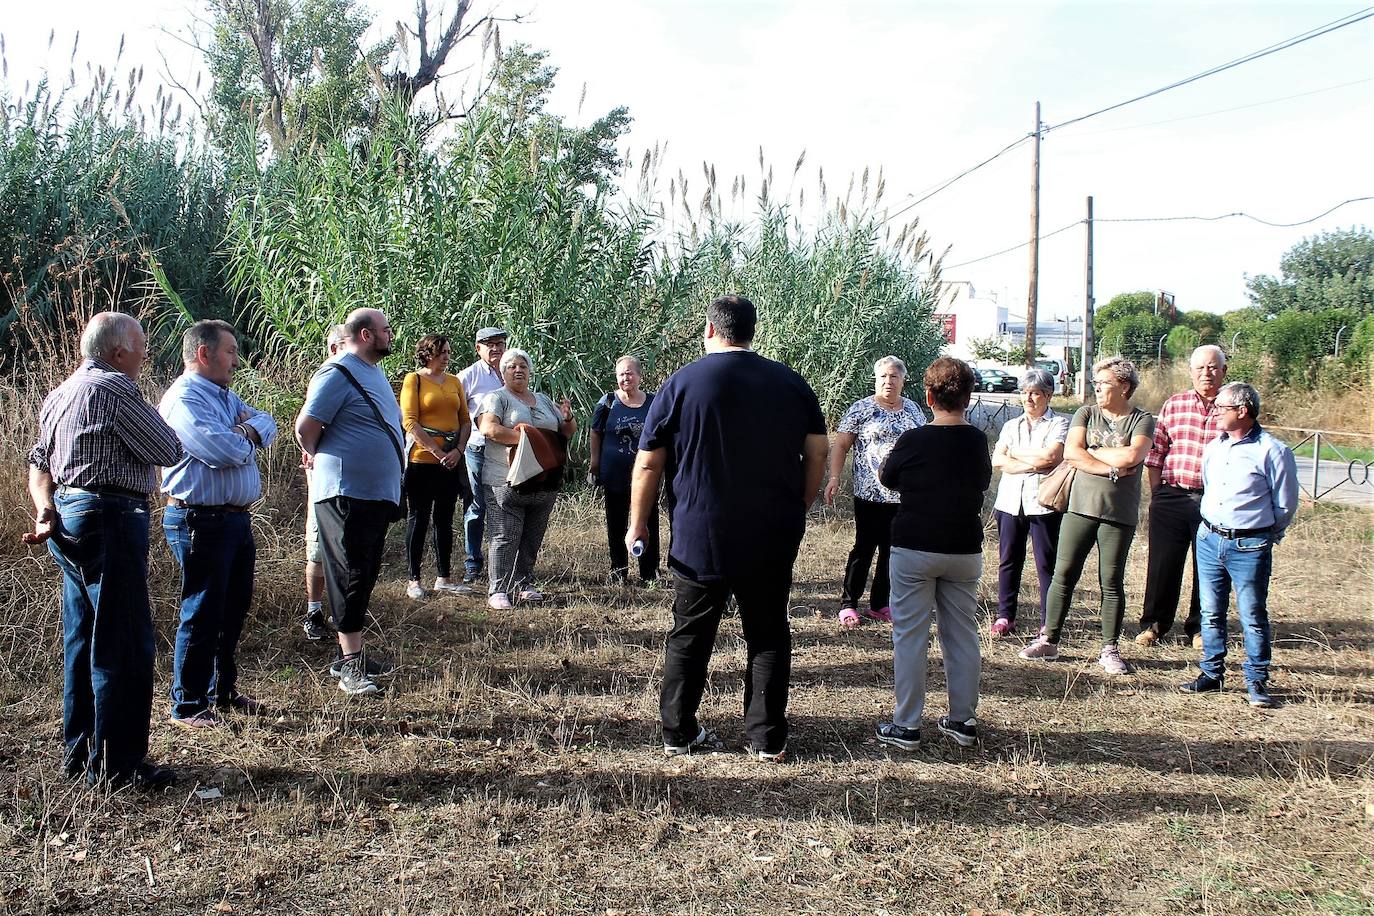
pixel 516 521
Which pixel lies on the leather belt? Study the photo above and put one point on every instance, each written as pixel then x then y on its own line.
pixel 1192 491
pixel 1232 533
pixel 183 504
pixel 65 490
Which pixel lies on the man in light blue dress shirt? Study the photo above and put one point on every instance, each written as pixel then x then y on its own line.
pixel 208 524
pixel 1249 498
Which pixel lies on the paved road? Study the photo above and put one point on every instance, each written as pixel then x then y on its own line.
pixel 1358 492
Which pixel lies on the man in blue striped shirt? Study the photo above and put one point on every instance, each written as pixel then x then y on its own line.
pixel 1249 498
pixel 208 524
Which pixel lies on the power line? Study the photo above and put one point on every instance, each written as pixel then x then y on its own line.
pixel 1208 114
pixel 1209 219
pixel 1212 71
pixel 1162 219
pixel 968 171
pixel 1077 222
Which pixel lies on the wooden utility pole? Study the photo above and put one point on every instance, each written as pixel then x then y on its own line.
pixel 1085 388
pixel 1033 293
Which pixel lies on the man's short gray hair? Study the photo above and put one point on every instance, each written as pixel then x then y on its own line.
pixel 893 361
pixel 337 335
pixel 107 332
pixel 206 333
pixel 1037 378
pixel 1244 395
pixel 1205 349
pixel 514 353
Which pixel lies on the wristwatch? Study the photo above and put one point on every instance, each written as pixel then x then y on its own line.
pixel 1112 476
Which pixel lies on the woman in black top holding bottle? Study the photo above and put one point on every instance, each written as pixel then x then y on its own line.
pixel 616 427
pixel 941 471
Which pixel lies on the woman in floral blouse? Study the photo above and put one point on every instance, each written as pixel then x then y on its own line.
pixel 871 427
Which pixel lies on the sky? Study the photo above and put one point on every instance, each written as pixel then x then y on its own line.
pixel 922 91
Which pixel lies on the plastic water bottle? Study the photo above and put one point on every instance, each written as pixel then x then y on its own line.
pixel 637 548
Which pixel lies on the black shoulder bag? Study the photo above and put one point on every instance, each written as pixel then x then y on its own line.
pixel 402 509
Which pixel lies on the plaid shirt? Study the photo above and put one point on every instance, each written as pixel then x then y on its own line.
pixel 95 430
pixel 1186 423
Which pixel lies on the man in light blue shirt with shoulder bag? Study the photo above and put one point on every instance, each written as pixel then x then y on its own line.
pixel 1249 498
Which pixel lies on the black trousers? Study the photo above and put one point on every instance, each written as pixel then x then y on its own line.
pixel 432 491
pixel 762 599
pixel 617 523
pixel 352 536
pixel 1174 518
pixel 872 531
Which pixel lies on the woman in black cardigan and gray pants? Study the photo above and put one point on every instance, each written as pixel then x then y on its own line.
pixel 941 471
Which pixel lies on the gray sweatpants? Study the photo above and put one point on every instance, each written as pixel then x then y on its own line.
pixel 946 583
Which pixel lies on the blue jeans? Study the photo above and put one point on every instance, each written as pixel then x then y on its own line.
pixel 216 553
pixel 100 543
pixel 474 515
pixel 1244 563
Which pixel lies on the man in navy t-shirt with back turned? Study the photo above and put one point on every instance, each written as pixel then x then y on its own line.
pixel 742 442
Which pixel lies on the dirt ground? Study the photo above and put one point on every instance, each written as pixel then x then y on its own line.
pixel 514 763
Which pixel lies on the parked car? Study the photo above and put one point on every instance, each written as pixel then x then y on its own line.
pixel 994 380
pixel 1059 371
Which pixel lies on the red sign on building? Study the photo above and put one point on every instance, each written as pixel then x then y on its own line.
pixel 947 326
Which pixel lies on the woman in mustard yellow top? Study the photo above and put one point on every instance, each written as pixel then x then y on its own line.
pixel 434 412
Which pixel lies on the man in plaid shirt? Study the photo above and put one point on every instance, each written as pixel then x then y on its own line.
pixel 1186 423
pixel 99 448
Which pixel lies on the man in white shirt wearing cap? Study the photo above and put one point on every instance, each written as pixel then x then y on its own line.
pixel 479 380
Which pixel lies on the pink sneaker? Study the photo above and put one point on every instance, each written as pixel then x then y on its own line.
pixel 1112 662
pixel 1040 650
pixel 1002 627
pixel 882 615
pixel 499 601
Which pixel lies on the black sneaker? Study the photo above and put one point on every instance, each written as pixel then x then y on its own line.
pixel 145 777
pixel 315 628
pixel 354 679
pixel 908 739
pixel 1202 684
pixel 965 733
pixel 373 665
pixel 706 740
pixel 1259 695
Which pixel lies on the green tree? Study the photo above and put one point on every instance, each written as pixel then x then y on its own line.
pixel 1120 306
pixel 1135 336
pixel 989 348
pixel 1208 325
pixel 1182 341
pixel 1326 271
pixel 521 81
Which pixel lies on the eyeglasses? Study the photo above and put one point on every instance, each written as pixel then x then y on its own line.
pixel 1229 406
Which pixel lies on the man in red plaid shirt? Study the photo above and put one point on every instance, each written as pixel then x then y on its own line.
pixel 1186 423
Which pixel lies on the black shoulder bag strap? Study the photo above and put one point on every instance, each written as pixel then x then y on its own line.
pixel 376 412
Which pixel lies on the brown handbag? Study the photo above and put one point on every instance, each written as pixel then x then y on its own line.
pixel 1053 492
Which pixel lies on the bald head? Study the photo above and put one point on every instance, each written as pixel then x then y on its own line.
pixel 367 335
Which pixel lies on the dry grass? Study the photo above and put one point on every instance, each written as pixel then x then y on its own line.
pixel 514 764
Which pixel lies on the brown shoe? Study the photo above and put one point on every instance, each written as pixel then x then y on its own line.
pixel 206 718
pixel 1147 638
pixel 244 704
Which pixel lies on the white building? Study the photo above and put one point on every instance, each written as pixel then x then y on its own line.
pixel 965 316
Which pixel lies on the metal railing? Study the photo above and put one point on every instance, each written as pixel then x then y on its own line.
pixel 1352 473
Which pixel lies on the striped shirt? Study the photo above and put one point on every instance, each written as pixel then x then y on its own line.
pixel 220 465
pixel 1186 423
pixel 95 430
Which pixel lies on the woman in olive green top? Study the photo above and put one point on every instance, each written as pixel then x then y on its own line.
pixel 1108 442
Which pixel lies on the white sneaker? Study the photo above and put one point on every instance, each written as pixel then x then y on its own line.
pixel 414 591
pixel 452 588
